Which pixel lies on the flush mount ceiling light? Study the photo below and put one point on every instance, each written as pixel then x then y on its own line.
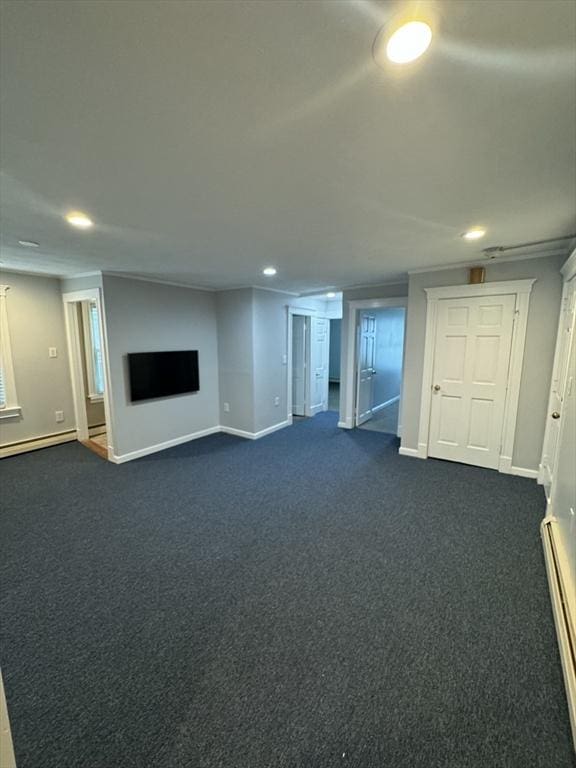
pixel 79 220
pixel 29 243
pixel 330 295
pixel 405 38
pixel 269 271
pixel 409 42
pixel 475 233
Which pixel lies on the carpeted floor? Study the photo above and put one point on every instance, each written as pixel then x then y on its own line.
pixel 308 600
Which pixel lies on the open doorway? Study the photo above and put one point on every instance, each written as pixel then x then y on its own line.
pixel 309 344
pixel 86 350
pixel 379 364
pixel 334 364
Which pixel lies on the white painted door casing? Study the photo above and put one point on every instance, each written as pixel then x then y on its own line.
pixel 520 290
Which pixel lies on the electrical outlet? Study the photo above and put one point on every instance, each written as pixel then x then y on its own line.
pixel 284 359
pixel 276 401
pixel 52 352
pixel 226 407
pixel 59 416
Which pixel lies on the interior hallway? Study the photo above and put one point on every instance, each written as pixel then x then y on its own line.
pixel 334 396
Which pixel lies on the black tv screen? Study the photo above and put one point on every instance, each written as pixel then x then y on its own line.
pixel 161 374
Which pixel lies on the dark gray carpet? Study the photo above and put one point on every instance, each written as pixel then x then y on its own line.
pixel 309 600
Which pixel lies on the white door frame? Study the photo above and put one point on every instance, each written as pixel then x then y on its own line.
pixel 521 289
pixel 568 271
pixel 291 311
pixel 348 413
pixel 70 301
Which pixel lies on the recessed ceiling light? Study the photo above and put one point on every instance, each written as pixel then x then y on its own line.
pixel 269 271
pixel 474 234
pixel 330 295
pixel 409 42
pixel 29 243
pixel 79 220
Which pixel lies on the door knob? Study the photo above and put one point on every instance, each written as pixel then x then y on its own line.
pixel 555 415
pixel 436 387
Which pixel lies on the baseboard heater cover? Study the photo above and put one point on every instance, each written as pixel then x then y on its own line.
pixel 36 443
pixel 562 593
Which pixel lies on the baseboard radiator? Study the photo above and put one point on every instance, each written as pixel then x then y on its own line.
pixel 563 594
pixel 35 443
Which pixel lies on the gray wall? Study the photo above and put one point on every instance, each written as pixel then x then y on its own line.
pixel 388 354
pixel 335 344
pixel 71 284
pixel 385 291
pixel 235 311
pixel 270 350
pixel 43 386
pixel 148 317
pixel 538 356
pixel 252 344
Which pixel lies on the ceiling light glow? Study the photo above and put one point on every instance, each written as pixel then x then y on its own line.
pixel 269 271
pixel 474 234
pixel 79 220
pixel 409 42
pixel 330 295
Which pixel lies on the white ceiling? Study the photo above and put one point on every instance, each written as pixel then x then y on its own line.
pixel 209 139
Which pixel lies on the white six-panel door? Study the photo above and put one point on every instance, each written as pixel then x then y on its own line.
pixel 319 362
pixel 365 383
pixel 558 385
pixel 471 362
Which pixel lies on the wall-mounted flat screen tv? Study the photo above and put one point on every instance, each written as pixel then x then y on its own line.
pixel 162 374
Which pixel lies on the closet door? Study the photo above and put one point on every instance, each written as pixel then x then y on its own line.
pixel 558 385
pixel 471 362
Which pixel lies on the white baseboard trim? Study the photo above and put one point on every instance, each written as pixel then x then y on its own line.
pixel 523 472
pixel 561 585
pixel 413 452
pixel 506 467
pixel 346 424
pixel 256 435
pixel 13 449
pixel 386 404
pixel 163 446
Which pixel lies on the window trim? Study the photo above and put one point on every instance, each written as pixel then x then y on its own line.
pixel 10 409
pixel 92 394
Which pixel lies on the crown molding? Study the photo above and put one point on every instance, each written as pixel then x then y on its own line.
pixel 272 290
pixel 484 260
pixel 159 281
